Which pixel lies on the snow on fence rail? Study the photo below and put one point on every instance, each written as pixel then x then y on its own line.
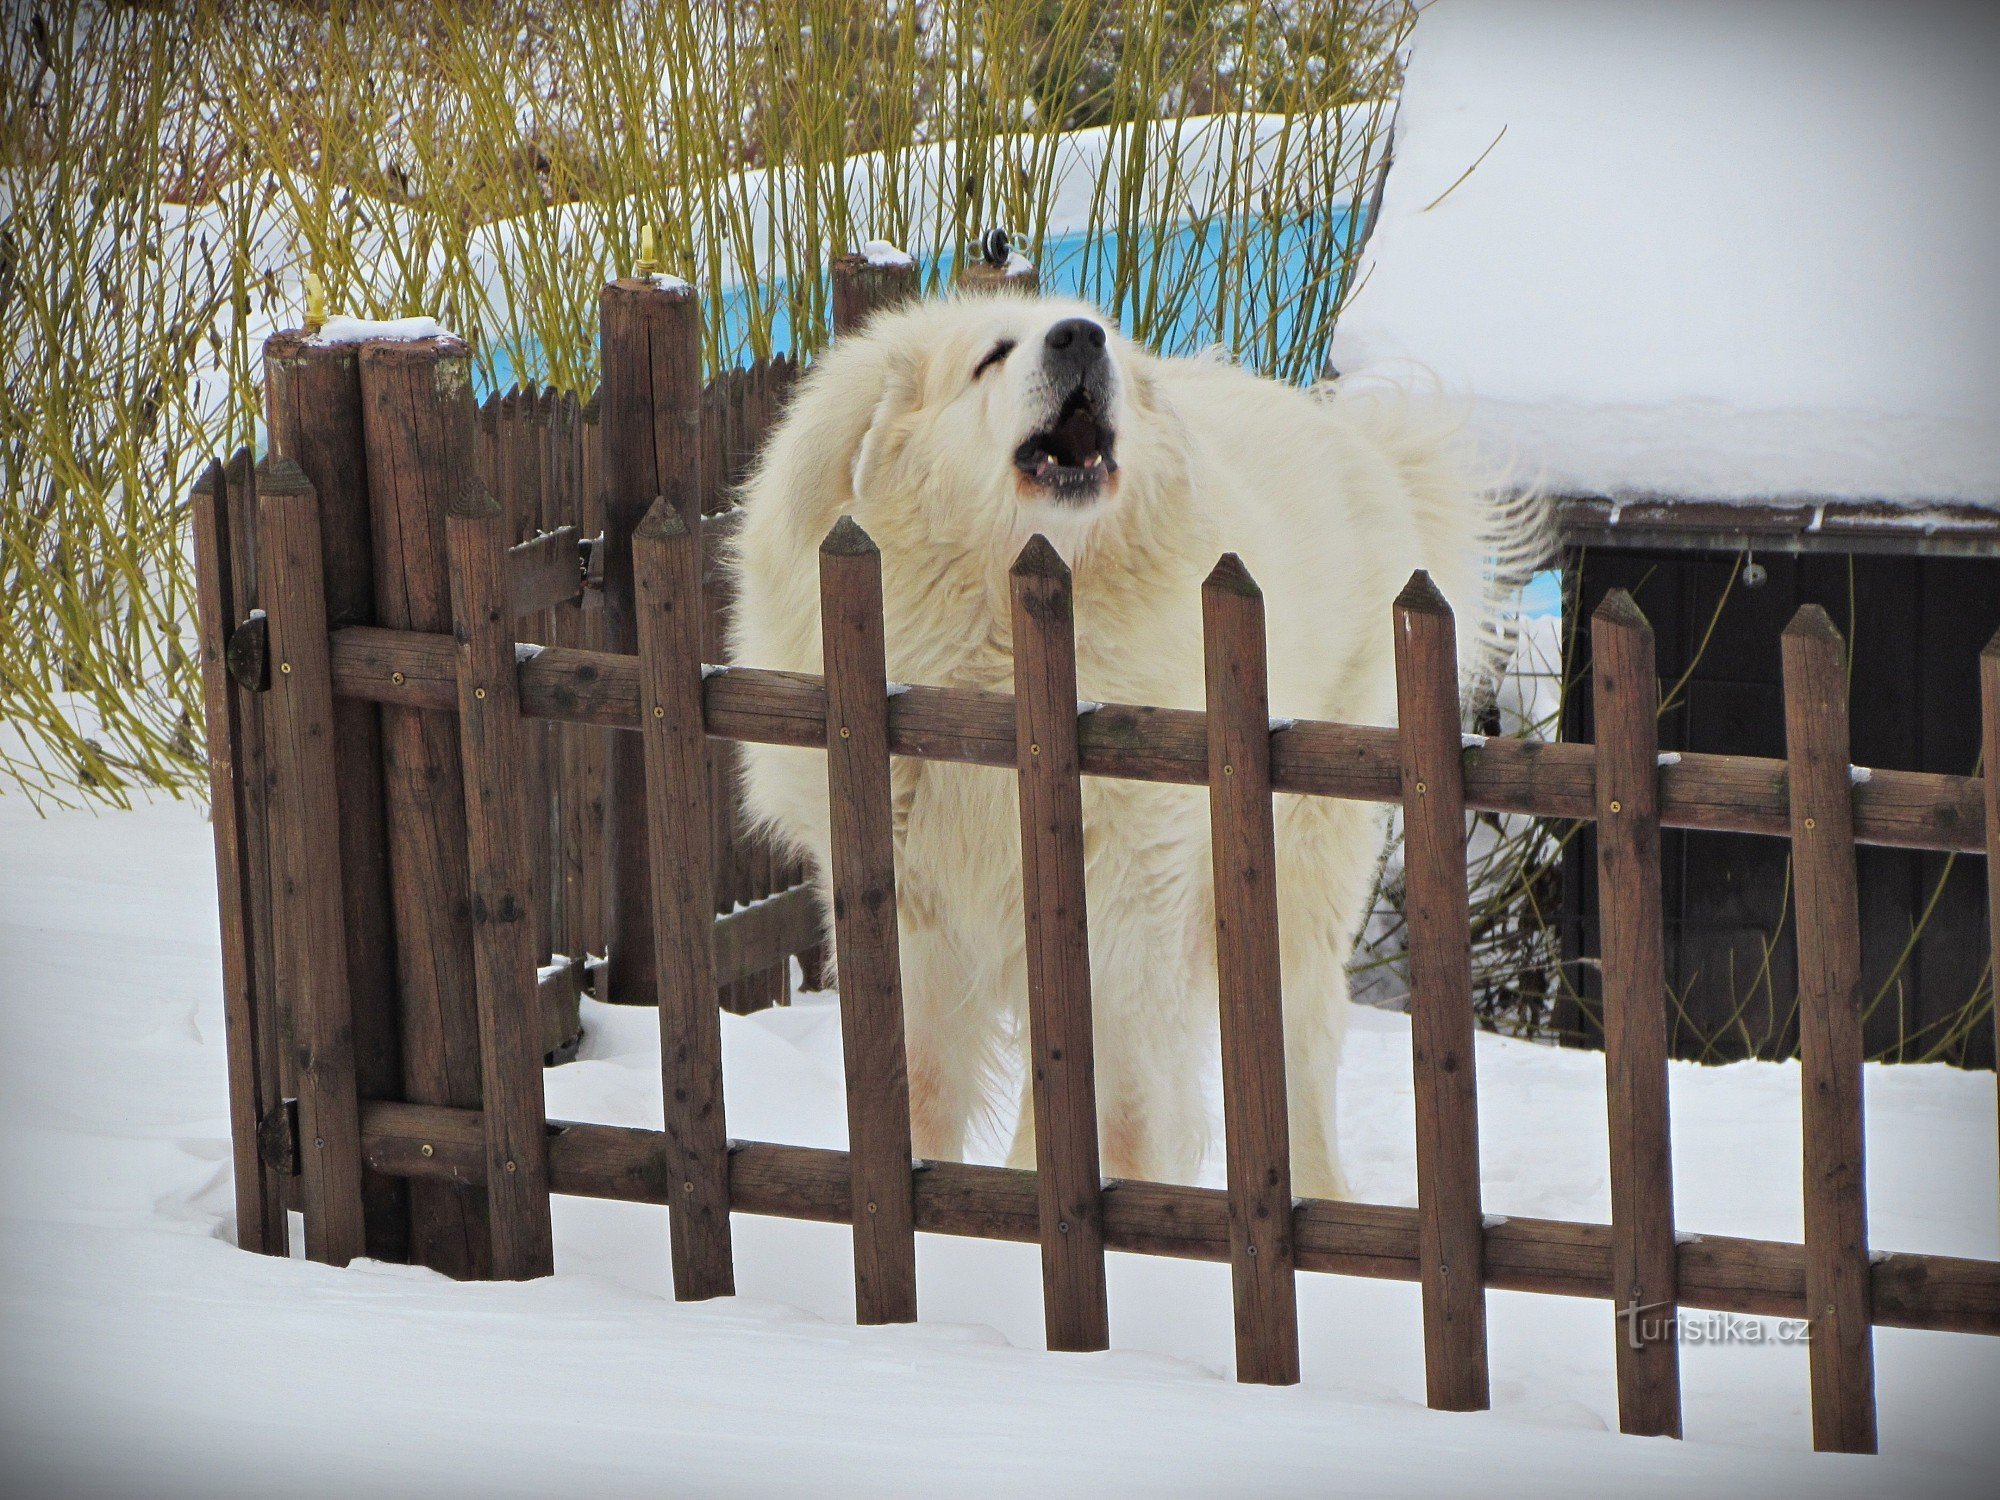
pixel 380 744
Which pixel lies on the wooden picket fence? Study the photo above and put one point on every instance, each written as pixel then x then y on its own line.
pixel 384 747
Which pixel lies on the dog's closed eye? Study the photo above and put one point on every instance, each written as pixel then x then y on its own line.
pixel 994 356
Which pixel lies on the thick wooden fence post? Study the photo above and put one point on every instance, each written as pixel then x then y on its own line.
pixel 864 286
pixel 503 888
pixel 651 424
pixel 1829 939
pixel 1626 702
pixel 248 1009
pixel 864 926
pixel 1989 719
pixel 305 865
pixel 1450 1226
pixel 1069 1182
pixel 313 402
pixel 667 560
pixel 1262 1254
pixel 417 412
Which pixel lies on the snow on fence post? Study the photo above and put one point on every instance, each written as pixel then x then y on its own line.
pixel 999 267
pixel 313 405
pixel 864 283
pixel 306 872
pixel 864 925
pixel 1069 1184
pixel 248 1004
pixel 680 827
pixel 1989 719
pixel 1450 1227
pixel 1262 1252
pixel 503 886
pixel 651 402
pixel 1625 703
pixel 416 399
pixel 1829 941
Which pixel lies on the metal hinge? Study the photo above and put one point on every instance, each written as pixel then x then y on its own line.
pixel 278 1138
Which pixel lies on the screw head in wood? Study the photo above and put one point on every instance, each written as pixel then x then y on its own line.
pixel 1420 789
pixel 285 667
pixel 1229 770
pixel 659 713
pixel 843 731
pixel 1812 823
pixel 687 1187
pixel 427 1149
pixel 398 678
pixel 319 1143
pixel 1062 1226
pixel 510 1166
pixel 1616 805
pixel 1034 749
pixel 479 692
pixel 871 1208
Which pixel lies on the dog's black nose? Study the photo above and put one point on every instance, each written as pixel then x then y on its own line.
pixel 1074 347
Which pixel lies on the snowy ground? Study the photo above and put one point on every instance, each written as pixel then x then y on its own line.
pixel 146 1356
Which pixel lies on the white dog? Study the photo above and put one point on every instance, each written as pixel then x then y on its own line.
pixel 953 431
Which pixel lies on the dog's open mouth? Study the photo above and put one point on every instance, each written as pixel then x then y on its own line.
pixel 1071 458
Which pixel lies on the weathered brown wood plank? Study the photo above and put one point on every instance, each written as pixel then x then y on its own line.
pixel 650 405
pixel 545 571
pixel 1441 1025
pixel 864 924
pixel 1243 840
pixel 1726 793
pixel 1061 1052
pixel 1626 703
pixel 260 1201
pixel 417 417
pixel 1828 923
pixel 253 780
pixel 502 887
pixel 667 563
pixel 785 922
pixel 313 405
pixel 305 865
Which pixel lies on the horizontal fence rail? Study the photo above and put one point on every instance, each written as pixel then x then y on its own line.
pixel 627 1164
pixel 1718 793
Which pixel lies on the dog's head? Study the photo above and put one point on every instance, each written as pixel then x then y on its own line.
pixel 1025 409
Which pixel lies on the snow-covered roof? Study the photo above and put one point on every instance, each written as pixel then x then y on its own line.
pixel 1714 249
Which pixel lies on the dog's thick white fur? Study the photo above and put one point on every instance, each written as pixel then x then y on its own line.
pixel 921 428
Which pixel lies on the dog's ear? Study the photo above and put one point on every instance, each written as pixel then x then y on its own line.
pixel 807 469
pixel 901 394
